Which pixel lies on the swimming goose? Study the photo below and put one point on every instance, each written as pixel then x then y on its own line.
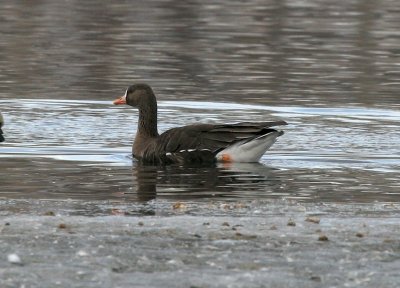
pixel 196 143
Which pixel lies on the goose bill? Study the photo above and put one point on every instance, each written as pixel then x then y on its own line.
pixel 120 101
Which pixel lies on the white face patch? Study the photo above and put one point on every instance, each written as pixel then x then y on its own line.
pixel 124 97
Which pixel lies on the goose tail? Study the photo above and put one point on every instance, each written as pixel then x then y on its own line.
pixel 249 150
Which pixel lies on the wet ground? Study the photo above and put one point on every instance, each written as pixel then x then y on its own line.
pixel 76 206
pixel 215 244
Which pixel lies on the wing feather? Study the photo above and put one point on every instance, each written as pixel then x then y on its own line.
pixel 212 137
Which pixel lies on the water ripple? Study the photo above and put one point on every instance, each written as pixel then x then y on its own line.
pixel 70 142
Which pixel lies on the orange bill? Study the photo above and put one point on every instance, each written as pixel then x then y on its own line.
pixel 120 100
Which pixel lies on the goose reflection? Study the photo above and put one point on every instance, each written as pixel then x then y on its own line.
pixel 241 180
pixel 1 131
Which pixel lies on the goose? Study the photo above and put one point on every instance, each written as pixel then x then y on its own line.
pixel 195 143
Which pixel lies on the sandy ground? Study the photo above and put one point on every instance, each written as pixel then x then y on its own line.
pixel 184 244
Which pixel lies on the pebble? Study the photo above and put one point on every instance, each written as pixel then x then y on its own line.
pixel 178 206
pixel 175 262
pixel 225 206
pixel 313 219
pixel 323 238
pixel 82 253
pixel 14 259
pixel 49 213
pixel 316 278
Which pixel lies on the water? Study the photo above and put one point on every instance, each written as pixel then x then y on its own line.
pixel 330 70
pixel 81 150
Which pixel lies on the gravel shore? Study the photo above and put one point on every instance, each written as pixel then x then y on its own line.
pixel 184 244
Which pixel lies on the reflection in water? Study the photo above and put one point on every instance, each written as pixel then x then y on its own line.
pixel 250 181
pixel 146 182
pixel 269 51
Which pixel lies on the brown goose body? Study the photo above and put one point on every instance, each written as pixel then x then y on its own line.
pixel 198 143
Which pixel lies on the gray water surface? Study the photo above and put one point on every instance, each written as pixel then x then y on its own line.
pixel 330 70
pixel 61 149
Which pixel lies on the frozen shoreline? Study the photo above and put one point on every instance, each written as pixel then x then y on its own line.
pixel 216 244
